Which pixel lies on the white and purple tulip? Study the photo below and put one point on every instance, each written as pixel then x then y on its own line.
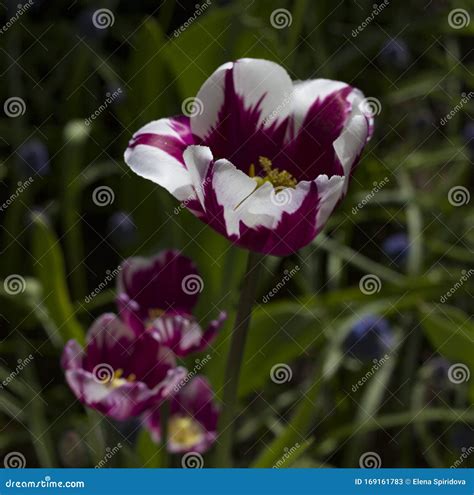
pixel 119 374
pixel 262 159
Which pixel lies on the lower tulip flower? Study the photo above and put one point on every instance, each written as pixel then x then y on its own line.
pixel 119 374
pixel 263 160
pixel 193 419
pixel 157 295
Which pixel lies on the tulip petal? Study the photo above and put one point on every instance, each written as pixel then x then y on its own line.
pixel 245 109
pixel 156 153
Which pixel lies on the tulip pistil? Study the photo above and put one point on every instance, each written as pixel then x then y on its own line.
pixel 184 431
pixel 279 178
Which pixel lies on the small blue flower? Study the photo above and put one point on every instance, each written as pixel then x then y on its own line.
pixel 396 247
pixel 370 338
pixel 395 53
pixel 34 158
pixel 122 229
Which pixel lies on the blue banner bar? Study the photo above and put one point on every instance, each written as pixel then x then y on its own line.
pixel 236 481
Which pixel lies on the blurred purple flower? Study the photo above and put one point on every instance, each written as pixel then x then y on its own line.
pixel 395 53
pixel 119 374
pixel 34 157
pixel 396 247
pixel 192 425
pixel 157 296
pixel 262 159
pixel 370 338
pixel 122 229
pixel 468 134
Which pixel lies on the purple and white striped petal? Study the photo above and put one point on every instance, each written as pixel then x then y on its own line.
pixel 156 153
pixel 245 108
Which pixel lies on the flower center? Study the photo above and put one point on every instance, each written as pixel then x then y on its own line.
pixel 185 431
pixel 118 379
pixel 279 178
pixel 155 313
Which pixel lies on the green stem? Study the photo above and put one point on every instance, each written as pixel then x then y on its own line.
pixel 164 419
pixel 234 360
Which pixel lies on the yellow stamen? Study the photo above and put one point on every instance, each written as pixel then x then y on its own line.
pixel 185 431
pixel 118 379
pixel 279 178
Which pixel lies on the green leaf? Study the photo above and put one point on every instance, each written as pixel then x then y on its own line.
pixel 49 268
pixel 450 332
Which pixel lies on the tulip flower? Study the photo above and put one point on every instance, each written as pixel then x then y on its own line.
pixel 261 159
pixel 193 418
pixel 157 295
pixel 119 374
